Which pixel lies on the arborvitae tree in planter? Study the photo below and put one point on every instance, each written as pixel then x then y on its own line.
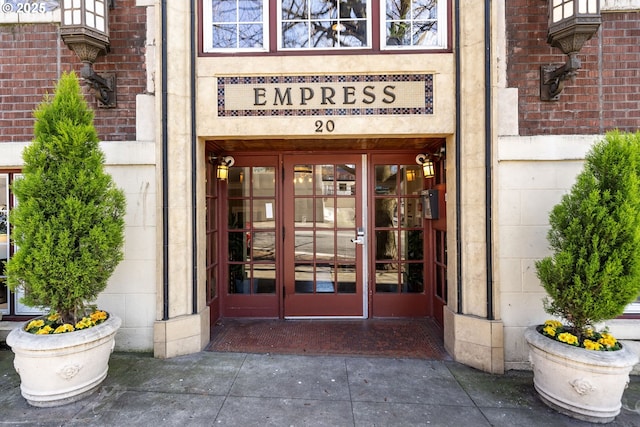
pixel 594 272
pixel 69 220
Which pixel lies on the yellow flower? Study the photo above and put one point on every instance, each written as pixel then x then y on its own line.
pixel 592 345
pixel 63 328
pixel 84 323
pixel 607 340
pixel 553 323
pixel 38 323
pixel 549 330
pixel 98 315
pixel 589 332
pixel 568 338
pixel 44 331
pixel 53 317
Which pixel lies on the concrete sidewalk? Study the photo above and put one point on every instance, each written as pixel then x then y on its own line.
pixel 238 389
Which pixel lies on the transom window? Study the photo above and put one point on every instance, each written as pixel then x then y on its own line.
pixel 245 25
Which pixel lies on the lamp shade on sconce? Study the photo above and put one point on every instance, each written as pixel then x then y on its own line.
pixel 572 23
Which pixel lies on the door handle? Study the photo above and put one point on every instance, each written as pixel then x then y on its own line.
pixel 358 240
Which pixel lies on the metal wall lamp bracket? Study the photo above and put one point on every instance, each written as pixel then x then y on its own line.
pixel 103 85
pixel 552 78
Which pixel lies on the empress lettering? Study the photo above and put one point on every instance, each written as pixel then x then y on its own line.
pixel 324 95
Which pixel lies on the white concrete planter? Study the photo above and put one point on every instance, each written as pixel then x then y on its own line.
pixel 62 368
pixel 583 384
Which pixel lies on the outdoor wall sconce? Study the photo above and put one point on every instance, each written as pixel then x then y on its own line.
pixel 427 165
pixel 426 161
pixel 571 24
pixel 85 30
pixel 222 165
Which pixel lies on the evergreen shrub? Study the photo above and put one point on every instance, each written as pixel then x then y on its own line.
pixel 594 270
pixel 69 219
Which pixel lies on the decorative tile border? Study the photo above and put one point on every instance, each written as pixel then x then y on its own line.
pixel 325 95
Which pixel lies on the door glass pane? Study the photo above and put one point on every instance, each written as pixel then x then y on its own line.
pixel 264 278
pixel 325 182
pixel 304 245
pixel 346 212
pixel 411 180
pixel 386 212
pixel 239 246
pixel 303 180
pixel 324 279
pixel 327 219
pixel 263 213
pixel 264 246
pixel 264 181
pixel 238 214
pixel 346 250
pixel 386 245
pixel 238 182
pixel 386 179
pixel 411 245
pixel 303 212
pixel 304 278
pixel 324 245
pixel 347 279
pixel 346 174
pixel 239 280
pixel 413 278
pixel 386 278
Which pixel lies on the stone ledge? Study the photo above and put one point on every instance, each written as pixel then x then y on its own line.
pixel 6 327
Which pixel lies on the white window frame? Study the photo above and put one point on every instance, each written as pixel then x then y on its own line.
pixel 443 29
pixel 633 308
pixel 279 47
pixel 19 308
pixel 207 30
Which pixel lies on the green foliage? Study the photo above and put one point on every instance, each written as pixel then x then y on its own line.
pixel 69 220
pixel 594 272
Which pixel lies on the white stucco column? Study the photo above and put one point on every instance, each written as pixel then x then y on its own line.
pixel 182 331
pixel 470 336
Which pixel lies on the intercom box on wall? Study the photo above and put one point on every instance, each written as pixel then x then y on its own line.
pixel 430 203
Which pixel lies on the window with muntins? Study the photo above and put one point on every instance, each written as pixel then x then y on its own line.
pixel 232 26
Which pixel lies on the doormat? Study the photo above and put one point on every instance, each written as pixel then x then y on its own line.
pixel 406 338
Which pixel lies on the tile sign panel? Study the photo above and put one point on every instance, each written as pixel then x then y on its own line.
pixel 325 95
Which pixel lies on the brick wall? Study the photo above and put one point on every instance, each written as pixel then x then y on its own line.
pixel 606 93
pixel 33 57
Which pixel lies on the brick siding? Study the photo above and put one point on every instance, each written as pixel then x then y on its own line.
pixel 606 93
pixel 33 56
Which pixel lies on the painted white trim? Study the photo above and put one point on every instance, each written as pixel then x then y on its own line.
pixel 545 147
pixel 116 153
pixel 619 5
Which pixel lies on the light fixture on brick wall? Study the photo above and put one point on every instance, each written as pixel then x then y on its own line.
pixel 85 29
pixel 571 24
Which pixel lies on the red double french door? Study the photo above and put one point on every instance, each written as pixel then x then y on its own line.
pixel 329 235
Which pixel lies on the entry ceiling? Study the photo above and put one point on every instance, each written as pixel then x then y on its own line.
pixel 236 145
